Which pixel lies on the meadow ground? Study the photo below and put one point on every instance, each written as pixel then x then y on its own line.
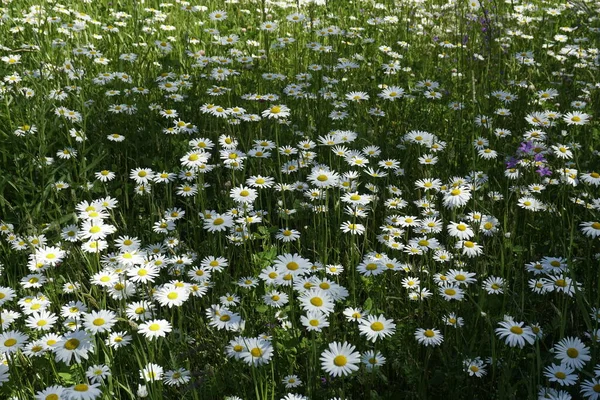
pixel 292 200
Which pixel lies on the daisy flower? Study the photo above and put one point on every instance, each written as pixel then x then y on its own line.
pixel 572 352
pixel 171 295
pixel 258 351
pixel 475 367
pixel 340 360
pixel 376 327
pixel 276 112
pixel 155 328
pixel 218 223
pixel 176 377
pixel 494 285
pixel 357 96
pixel 99 321
pixel 460 230
pixel 429 337
pixel 353 228
pixel 243 194
pixel 11 341
pixel 576 118
pixel 84 391
pixel 275 299
pixel 291 381
pixel 314 321
pixel 51 392
pixel 152 372
pixel 292 264
pixel 118 339
pixel 457 197
pixel 317 299
pixel 591 388
pixel 591 229
pixel 515 333
pixel 73 346
pixel 287 235
pixel 562 374
pixel 97 373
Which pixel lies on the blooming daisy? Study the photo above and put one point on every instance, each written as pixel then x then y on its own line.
pixel 291 381
pixel 73 346
pixel 576 118
pixel 11 341
pixel 572 352
pixel 340 359
pixel 515 333
pixel 276 112
pixel 155 328
pixel 591 229
pixel 457 197
pixel 376 327
pixel 314 321
pixel 562 374
pixel 429 337
pixel 475 367
pixel 316 299
pixel 258 351
pixel 176 377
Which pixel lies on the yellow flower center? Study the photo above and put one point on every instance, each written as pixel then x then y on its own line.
pixel 377 326
pixel 316 301
pixel 256 352
pixel 71 344
pixel 82 387
pixel 572 352
pixel 340 361
pixel 371 267
pixel 560 375
pixel 560 283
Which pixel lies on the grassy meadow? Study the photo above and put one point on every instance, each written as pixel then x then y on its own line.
pixel 299 199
